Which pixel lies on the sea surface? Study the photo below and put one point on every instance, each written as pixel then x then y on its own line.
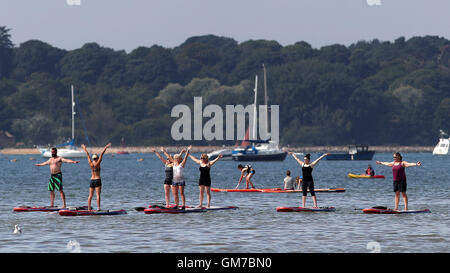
pixel 137 180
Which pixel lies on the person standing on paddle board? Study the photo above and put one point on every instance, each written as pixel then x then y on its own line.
pixel 168 163
pixel 179 183
pixel 204 182
pixel 96 181
pixel 248 172
pixel 399 177
pixel 308 181
pixel 55 182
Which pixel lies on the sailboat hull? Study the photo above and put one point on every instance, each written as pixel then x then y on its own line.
pixel 65 153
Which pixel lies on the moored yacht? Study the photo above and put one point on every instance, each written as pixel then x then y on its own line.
pixel 442 148
pixel 259 151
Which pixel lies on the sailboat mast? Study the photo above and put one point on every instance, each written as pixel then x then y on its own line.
pixel 266 98
pixel 255 113
pixel 73 116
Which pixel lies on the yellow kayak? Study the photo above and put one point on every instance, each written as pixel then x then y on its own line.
pixel 352 175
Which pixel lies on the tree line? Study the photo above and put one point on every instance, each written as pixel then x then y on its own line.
pixel 374 92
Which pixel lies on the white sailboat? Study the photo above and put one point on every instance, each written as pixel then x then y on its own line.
pixel 260 150
pixel 69 150
pixel 442 148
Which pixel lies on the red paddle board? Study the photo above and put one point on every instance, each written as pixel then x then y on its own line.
pixel 391 211
pixel 301 209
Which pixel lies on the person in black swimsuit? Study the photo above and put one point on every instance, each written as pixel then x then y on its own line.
pixel 168 163
pixel 248 172
pixel 308 181
pixel 204 182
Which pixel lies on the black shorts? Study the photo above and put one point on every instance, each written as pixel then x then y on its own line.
pixel 400 186
pixel 96 183
pixel 204 182
pixel 167 182
pixel 308 185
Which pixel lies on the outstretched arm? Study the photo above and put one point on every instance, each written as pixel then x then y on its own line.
pixel 407 164
pixel 43 163
pixel 65 160
pixel 296 158
pixel 317 160
pixel 389 164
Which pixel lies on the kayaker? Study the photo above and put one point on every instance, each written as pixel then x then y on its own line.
pixel 55 181
pixel 370 171
pixel 308 181
pixel 399 177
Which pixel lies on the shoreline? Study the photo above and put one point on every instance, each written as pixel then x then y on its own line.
pixel 207 149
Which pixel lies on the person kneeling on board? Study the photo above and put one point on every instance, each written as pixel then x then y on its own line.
pixel 288 181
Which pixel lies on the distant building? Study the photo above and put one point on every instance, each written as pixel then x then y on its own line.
pixel 6 139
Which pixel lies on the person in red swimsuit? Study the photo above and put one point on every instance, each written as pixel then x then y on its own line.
pixel 399 176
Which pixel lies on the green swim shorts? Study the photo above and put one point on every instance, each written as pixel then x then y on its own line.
pixel 55 182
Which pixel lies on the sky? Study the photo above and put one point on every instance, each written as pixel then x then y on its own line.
pixel 128 24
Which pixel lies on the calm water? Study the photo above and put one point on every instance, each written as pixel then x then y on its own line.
pixel 255 227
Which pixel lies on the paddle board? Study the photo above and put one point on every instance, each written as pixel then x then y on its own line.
pixel 235 190
pixel 186 210
pixel 301 209
pixel 44 208
pixel 278 190
pixel 161 206
pixel 173 210
pixel 91 212
pixel 381 210
pixel 275 190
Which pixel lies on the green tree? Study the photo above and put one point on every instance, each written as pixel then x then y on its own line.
pixel 36 56
pixel 6 52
